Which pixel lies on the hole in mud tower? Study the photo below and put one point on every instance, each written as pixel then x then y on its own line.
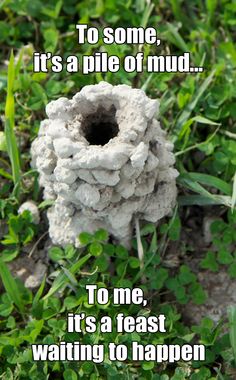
pixel 100 127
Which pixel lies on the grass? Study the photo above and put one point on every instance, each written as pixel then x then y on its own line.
pixel 11 286
pixel 198 113
pixel 11 142
pixel 232 329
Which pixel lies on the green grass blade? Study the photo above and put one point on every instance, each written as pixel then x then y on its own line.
pixel 184 116
pixel 176 9
pixel 12 151
pixel 70 276
pixel 5 174
pixel 3 144
pixel 232 329
pixel 39 292
pixel 200 200
pixel 62 278
pixel 10 286
pixel 11 142
pixel 234 193
pixel 177 38
pixel 197 145
pixel 211 181
pixel 147 82
pixel 146 15
pixel 188 182
pixel 204 120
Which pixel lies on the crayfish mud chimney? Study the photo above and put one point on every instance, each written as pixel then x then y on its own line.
pixel 104 160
